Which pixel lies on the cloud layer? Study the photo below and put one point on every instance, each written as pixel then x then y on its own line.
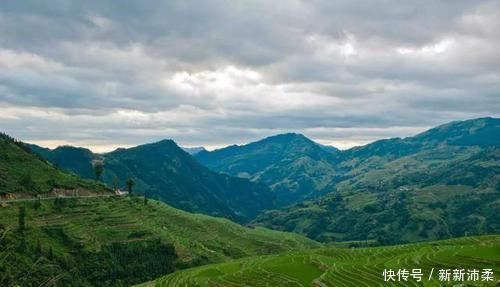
pixel 99 74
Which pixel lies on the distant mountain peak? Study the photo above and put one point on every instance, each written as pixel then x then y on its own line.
pixel 164 142
pixel 286 136
pixel 292 164
pixel 164 171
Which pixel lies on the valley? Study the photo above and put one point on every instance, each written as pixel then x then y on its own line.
pixel 442 183
pixel 312 215
pixel 291 143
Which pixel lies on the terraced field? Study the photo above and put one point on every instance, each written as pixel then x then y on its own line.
pixel 335 266
pixel 95 222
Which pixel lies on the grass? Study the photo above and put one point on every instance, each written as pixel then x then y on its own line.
pixel 99 221
pixel 23 174
pixel 334 266
pixel 107 241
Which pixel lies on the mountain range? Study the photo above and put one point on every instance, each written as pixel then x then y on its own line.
pixel 442 183
pixel 92 238
pixel 438 184
pixel 293 166
pixel 162 170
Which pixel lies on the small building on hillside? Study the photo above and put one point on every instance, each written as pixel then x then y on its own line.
pixel 120 192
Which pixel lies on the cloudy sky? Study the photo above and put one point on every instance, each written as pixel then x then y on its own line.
pixel 103 74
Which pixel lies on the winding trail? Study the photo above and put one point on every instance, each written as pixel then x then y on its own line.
pixel 54 197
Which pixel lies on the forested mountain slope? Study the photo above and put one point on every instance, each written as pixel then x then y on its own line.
pixel 164 171
pixel 118 241
pixel 106 240
pixel 24 174
pixel 293 166
pixel 442 183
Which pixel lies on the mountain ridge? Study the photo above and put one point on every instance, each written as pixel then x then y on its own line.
pixel 388 178
pixel 24 173
pixel 439 183
pixel 284 162
pixel 156 169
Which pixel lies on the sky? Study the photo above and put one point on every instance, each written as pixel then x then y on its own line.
pixel 107 74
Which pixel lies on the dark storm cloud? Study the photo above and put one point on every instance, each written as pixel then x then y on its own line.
pixel 106 73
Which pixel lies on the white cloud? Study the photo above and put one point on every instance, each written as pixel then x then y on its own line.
pixel 429 49
pixel 345 72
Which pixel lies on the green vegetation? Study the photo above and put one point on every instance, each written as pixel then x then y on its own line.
pixel 165 172
pixel 432 212
pixel 98 169
pixel 23 173
pixel 21 216
pixel 335 266
pixel 293 166
pixel 118 241
pixel 74 159
pixel 106 241
pixel 440 184
pixel 130 184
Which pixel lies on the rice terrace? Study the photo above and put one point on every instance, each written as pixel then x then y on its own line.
pixel 335 266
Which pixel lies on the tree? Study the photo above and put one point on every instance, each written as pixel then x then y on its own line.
pixel 50 254
pixel 37 203
pixel 21 218
pixel 51 184
pixel 58 203
pixel 28 183
pixel 21 247
pixel 98 169
pixel 130 184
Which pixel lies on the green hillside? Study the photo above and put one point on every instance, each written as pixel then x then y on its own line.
pixel 454 198
pixel 99 241
pixel 440 145
pixel 24 174
pixel 164 171
pixel 74 159
pixel 106 240
pixel 439 184
pixel 293 166
pixel 336 266
pixel 298 169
